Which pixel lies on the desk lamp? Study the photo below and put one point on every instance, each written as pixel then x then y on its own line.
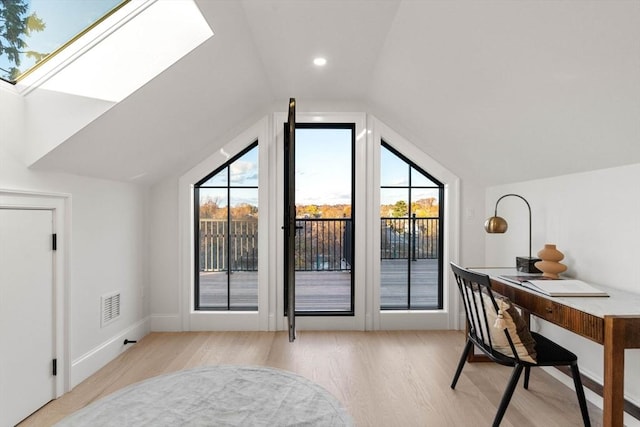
pixel 497 224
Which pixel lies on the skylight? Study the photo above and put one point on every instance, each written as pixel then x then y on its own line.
pixel 32 31
pixel 119 54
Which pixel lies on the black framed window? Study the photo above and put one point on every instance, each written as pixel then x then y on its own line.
pixel 226 235
pixel 411 234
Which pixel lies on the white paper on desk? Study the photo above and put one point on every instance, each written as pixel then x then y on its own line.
pixel 564 288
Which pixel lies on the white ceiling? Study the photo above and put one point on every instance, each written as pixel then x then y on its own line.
pixel 497 91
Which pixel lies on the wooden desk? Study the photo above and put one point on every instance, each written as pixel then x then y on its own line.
pixel 612 321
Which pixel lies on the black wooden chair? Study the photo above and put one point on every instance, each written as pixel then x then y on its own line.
pixel 496 328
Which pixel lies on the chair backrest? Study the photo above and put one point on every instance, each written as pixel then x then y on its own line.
pixel 482 310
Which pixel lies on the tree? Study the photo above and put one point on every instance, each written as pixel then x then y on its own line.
pixel 400 209
pixel 244 211
pixel 425 207
pixel 15 26
pixel 308 211
pixel 210 209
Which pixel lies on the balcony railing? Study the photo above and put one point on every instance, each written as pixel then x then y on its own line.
pixel 415 238
pixel 321 244
pixel 241 252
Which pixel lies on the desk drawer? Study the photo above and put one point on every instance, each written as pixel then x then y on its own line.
pixel 577 321
pixel 581 323
pixel 551 311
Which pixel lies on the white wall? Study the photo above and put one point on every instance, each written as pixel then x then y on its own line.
pixel 107 251
pixel 472 201
pixel 47 127
pixel 164 255
pixel 594 219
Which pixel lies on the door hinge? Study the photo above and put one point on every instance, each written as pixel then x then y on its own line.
pixel 54 365
pixel 54 242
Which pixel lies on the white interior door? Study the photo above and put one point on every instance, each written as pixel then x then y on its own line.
pixel 26 313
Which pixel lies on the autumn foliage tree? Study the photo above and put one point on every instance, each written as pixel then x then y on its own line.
pixel 211 209
pixel 323 211
pixel 423 208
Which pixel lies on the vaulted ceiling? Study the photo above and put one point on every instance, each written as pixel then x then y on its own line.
pixel 496 91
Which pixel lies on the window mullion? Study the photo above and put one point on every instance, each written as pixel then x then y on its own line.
pixel 228 243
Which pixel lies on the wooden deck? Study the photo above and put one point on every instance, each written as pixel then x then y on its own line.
pixel 328 290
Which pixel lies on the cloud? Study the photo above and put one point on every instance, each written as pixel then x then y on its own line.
pixel 243 171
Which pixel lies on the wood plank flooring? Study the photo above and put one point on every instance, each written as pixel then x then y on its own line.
pixel 383 378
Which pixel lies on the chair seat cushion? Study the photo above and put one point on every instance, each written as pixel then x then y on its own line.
pixel 512 321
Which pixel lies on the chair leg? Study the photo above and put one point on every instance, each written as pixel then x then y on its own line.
pixel 506 397
pixel 527 372
pixel 577 382
pixel 467 348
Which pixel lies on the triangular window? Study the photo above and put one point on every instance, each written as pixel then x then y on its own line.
pixel 411 232
pixel 226 225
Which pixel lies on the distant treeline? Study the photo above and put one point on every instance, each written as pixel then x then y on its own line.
pixel 423 208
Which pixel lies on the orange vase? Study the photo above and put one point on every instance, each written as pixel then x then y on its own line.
pixel 550 265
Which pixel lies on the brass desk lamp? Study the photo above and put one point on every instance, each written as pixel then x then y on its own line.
pixel 497 224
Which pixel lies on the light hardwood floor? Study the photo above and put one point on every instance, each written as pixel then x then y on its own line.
pixel 398 378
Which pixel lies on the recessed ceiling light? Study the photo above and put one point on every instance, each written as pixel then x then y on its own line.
pixel 320 61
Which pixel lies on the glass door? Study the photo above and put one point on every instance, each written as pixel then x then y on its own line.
pixel 322 243
pixel 289 219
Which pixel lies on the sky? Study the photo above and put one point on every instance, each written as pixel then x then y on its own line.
pixel 323 170
pixel 243 172
pixel 394 172
pixel 323 173
pixel 323 166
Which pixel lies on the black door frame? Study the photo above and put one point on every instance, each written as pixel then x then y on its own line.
pixel 290 214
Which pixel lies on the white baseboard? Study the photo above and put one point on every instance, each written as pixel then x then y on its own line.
pixel 166 323
pixel 224 321
pixel 413 320
pixel 90 362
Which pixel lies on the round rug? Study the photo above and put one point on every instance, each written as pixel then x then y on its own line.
pixel 216 396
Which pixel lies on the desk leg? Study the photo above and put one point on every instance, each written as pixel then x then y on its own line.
pixel 613 392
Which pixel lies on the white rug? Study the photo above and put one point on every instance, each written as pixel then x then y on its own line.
pixel 216 396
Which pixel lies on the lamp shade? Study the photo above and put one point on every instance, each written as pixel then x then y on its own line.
pixel 496 224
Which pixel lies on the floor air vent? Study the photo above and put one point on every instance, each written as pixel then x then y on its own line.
pixel 110 308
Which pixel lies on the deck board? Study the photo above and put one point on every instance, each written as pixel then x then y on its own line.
pixel 329 290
